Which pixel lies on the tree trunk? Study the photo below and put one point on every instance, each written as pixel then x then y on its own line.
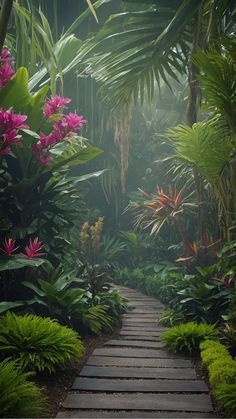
pixel 192 113
pixel 6 8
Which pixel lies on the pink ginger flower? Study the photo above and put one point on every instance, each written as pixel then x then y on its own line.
pixel 4 150
pixel 8 246
pixel 6 74
pixel 5 56
pixel 10 120
pixel 54 105
pixel 10 124
pixel 68 124
pixel 6 70
pixel 33 248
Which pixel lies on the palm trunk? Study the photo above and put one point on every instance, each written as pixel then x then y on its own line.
pixel 192 114
pixel 6 8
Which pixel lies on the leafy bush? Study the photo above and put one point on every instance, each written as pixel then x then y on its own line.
pixel 114 301
pixel 74 306
pixel 18 396
pixel 133 278
pixel 38 343
pixel 203 301
pixel 229 336
pixel 171 317
pixel 226 398
pixel 187 337
pixel 224 374
pixel 212 351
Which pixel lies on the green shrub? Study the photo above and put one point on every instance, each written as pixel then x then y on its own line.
pixel 187 337
pixel 226 374
pixel 19 397
pixel 171 317
pixel 208 343
pixel 226 398
pixel 214 352
pixel 63 300
pixel 220 363
pixel 38 343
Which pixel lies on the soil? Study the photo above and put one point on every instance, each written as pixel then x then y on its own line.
pixel 57 385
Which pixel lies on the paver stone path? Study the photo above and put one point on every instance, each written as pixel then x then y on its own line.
pixel 134 376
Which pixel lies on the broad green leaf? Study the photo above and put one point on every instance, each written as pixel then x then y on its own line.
pixel 8 305
pixel 73 157
pixel 16 94
pixel 17 262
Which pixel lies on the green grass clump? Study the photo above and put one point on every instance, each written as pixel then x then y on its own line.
pixel 188 336
pixel 19 398
pixel 37 343
pixel 226 398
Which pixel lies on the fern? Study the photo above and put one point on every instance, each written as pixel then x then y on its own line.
pixel 226 398
pixel 19 397
pixel 38 343
pixel 97 319
pixel 187 337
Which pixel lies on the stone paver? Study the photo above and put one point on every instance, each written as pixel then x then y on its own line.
pixel 134 376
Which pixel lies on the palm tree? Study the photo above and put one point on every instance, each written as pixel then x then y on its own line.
pixel 208 147
pixel 137 49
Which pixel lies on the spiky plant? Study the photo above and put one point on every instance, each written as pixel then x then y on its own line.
pixel 19 397
pixel 188 336
pixel 37 343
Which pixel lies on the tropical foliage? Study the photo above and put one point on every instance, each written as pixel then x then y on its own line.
pixel 38 344
pixel 154 209
pixel 20 397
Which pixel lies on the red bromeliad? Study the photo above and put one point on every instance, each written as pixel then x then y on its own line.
pixel 8 247
pixel 204 253
pixel 162 208
pixel 32 250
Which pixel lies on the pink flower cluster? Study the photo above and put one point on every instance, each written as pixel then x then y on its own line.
pixel 10 124
pixel 6 70
pixel 66 126
pixel 32 250
pixel 63 126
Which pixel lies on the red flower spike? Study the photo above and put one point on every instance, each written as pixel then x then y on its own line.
pixel 33 248
pixel 8 247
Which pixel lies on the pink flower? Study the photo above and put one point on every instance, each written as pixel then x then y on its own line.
pixel 10 120
pixel 5 56
pixel 69 123
pixel 54 105
pixel 10 124
pixel 8 246
pixel 11 136
pixel 33 248
pixel 5 150
pixel 6 70
pixel 6 73
pixel 43 156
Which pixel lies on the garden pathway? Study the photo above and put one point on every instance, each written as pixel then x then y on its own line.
pixel 134 376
